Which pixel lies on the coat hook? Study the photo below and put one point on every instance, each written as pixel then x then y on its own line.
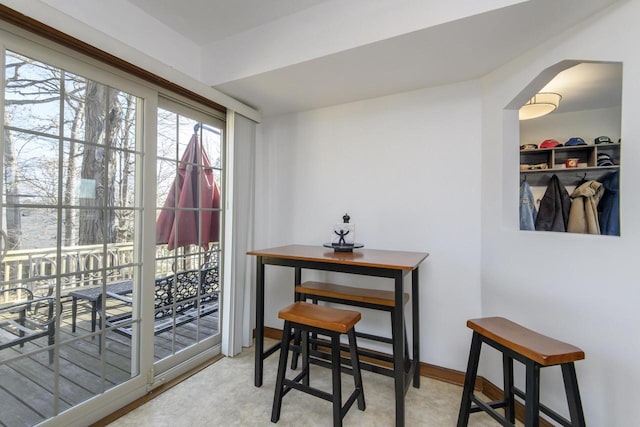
pixel 583 178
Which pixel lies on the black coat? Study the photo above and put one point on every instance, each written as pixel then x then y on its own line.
pixel 553 213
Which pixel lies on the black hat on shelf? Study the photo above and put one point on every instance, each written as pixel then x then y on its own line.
pixel 603 140
pixel 605 160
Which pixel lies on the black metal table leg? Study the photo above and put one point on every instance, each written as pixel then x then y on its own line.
pixel 415 321
pixel 259 357
pixel 398 349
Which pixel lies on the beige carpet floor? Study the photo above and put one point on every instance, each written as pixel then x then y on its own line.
pixel 223 394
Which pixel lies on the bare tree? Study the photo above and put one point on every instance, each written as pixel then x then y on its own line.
pixel 95 130
pixel 20 90
pixel 14 225
pixel 125 217
pixel 103 116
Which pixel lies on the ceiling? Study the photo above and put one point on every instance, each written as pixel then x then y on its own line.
pixel 204 21
pixel 455 51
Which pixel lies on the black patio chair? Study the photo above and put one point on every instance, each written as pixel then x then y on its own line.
pixel 24 318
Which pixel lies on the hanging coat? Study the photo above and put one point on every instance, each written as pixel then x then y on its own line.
pixel 583 217
pixel 528 210
pixel 553 213
pixel 609 207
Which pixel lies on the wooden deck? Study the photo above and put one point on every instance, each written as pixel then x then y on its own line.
pixel 28 384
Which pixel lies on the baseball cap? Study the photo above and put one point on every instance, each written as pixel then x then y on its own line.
pixel 604 160
pixel 574 141
pixel 603 140
pixel 550 143
pixel 529 147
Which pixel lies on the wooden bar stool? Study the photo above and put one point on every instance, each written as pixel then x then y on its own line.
pixel 326 321
pixel 535 351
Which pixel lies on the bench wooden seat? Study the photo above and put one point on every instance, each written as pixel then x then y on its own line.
pixel 349 293
pixel 374 299
pixel 332 322
pixel 535 351
pixel 540 348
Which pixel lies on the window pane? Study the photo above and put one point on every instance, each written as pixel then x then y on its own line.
pixel 32 94
pixel 188 219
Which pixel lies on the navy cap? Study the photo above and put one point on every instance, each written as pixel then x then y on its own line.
pixel 604 160
pixel 574 141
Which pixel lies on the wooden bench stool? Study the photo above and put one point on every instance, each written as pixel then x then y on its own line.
pixel 330 322
pixel 359 297
pixel 535 351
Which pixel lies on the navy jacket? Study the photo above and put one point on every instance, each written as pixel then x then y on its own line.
pixel 609 207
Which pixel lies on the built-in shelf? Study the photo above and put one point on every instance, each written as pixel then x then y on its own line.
pixel 549 161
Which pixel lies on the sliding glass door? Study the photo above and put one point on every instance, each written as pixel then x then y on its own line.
pixel 188 233
pixel 87 318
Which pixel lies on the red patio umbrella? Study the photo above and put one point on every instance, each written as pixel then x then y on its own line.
pixel 183 227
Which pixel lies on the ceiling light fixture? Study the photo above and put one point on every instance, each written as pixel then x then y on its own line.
pixel 541 104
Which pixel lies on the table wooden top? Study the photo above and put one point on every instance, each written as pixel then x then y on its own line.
pixel 396 260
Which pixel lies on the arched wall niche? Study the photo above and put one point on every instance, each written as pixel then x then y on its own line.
pixel 586 164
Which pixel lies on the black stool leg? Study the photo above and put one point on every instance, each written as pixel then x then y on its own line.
pixel 296 342
pixel 296 339
pixel 355 366
pixel 336 379
pixel 469 380
pixel 573 394
pixel 507 372
pixel 282 369
pixel 305 356
pixel 296 333
pixel 532 395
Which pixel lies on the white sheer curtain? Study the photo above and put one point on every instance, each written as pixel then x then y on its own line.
pixel 239 288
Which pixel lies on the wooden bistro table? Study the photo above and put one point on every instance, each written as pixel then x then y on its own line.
pixel 367 262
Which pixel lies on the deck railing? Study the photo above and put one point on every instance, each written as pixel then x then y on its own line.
pixel 39 270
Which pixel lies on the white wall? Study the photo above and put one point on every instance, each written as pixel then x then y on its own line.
pixel 406 168
pixel 581 289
